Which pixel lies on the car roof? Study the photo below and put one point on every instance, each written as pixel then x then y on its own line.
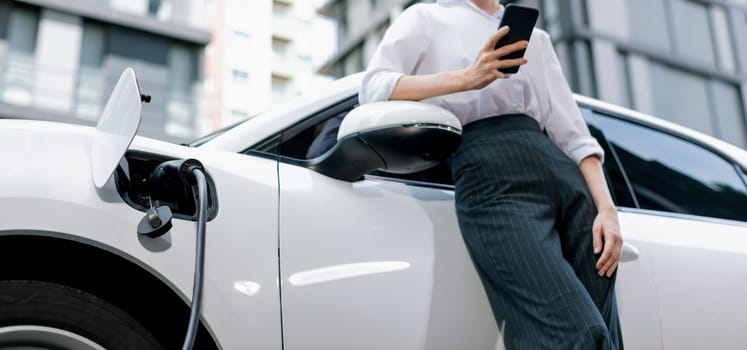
pixel 266 124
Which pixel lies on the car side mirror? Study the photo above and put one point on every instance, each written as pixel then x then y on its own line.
pixel 393 136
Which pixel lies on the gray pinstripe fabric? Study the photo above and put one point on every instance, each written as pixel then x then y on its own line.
pixel 526 214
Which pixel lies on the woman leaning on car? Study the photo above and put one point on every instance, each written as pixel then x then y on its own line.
pixel 531 198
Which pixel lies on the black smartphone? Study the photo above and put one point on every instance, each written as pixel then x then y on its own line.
pixel 521 21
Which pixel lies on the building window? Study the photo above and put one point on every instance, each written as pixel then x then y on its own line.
pixel 623 71
pixel 280 44
pixel 240 35
pixel 727 104
pixel 641 21
pixel 280 86
pixel 153 7
pixel 582 72
pixel 182 77
pixel 280 8
pixel 236 114
pixel 552 17
pixel 723 41
pixel 342 20
pixel 161 9
pixel 692 31
pixel 18 72
pixel 280 49
pixel 354 62
pixel 90 88
pixel 681 97
pixel 738 22
pixel 240 76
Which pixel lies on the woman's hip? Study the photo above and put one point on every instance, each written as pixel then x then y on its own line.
pixel 509 148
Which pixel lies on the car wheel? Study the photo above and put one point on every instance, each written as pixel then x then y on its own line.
pixel 42 315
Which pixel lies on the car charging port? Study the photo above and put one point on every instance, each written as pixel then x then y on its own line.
pixel 172 178
pixel 146 180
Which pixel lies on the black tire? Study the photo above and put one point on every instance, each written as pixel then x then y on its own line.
pixel 52 305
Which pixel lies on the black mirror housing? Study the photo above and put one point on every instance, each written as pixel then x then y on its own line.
pixel 395 136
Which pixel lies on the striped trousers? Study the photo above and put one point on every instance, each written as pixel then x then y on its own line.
pixel 526 217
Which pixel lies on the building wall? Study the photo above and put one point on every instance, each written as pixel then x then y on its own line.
pixel 682 60
pixel 261 55
pixel 59 60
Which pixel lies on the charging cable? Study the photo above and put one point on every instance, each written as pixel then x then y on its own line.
pixel 157 221
pixel 194 315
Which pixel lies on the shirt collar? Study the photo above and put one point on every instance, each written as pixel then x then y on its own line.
pixel 498 15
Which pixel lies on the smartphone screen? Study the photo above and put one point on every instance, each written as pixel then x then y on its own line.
pixel 521 20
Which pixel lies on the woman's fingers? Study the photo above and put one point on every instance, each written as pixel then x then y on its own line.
pixel 490 45
pixel 509 63
pixel 610 255
pixel 596 240
pixel 485 68
pixel 510 48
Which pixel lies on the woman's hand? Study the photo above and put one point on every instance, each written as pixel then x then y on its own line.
pixel 481 73
pixel 485 68
pixel 608 241
pixel 606 238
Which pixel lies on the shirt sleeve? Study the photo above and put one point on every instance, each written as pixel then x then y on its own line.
pixel 399 52
pixel 565 125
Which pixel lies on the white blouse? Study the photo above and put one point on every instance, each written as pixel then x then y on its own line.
pixel 448 35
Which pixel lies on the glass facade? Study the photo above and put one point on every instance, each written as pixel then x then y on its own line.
pixel 681 97
pixel 92 57
pixel 681 60
pixel 647 21
pixel 18 66
pixel 180 111
pixel 693 35
pixel 188 12
pixel 90 90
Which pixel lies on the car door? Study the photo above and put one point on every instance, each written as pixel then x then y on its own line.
pixel 690 225
pixel 637 297
pixel 372 264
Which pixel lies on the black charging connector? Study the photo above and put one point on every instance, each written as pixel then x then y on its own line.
pixel 167 179
pixel 181 168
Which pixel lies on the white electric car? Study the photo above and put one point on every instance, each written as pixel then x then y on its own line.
pixel 320 238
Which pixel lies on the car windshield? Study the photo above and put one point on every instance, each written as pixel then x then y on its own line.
pixel 204 139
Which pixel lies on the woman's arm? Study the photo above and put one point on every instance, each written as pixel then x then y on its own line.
pixel 606 229
pixel 481 73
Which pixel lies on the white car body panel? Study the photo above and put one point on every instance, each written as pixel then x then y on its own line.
pixel 377 264
pixel 368 265
pixel 699 266
pixel 48 177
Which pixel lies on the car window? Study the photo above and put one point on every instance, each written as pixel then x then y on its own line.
pixel 671 174
pixel 616 179
pixel 315 135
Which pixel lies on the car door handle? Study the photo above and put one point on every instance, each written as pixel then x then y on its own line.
pixel 629 253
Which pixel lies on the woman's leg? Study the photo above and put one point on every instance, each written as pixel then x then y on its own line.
pixel 575 229
pixel 507 205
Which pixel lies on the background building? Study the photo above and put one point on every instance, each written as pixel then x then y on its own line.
pixel 59 59
pixel 682 60
pixel 261 54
